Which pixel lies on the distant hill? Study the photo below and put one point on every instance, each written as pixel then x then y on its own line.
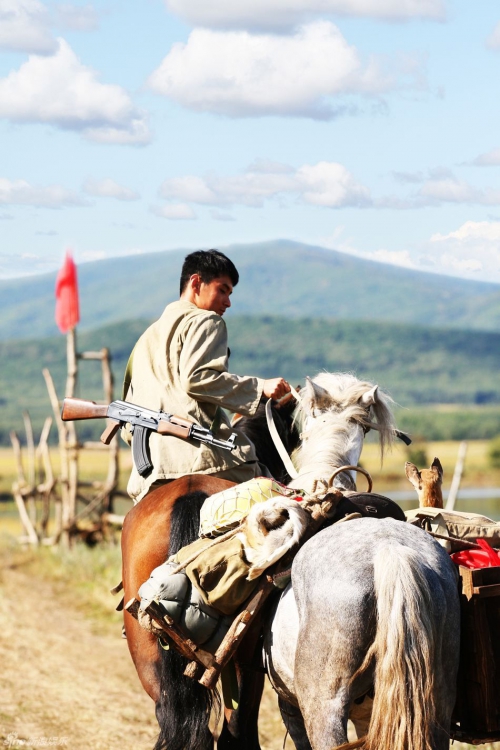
pixel 277 278
pixel 418 366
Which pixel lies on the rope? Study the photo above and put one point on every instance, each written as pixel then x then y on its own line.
pixel 315 501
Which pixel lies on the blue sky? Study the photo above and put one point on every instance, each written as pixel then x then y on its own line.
pixel 367 126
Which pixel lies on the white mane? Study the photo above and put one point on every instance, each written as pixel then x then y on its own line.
pixel 332 409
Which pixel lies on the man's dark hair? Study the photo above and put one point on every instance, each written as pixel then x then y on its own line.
pixel 209 264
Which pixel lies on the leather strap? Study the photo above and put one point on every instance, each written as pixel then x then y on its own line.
pixel 292 471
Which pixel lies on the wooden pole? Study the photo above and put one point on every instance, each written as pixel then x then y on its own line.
pixel 20 489
pixel 62 429
pixel 113 464
pixel 46 487
pixel 30 445
pixel 72 448
pixel 457 477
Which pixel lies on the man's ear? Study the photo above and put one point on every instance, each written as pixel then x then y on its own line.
pixel 195 282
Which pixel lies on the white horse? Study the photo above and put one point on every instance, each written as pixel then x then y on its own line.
pixel 373 605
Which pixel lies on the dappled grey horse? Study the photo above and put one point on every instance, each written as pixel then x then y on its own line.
pixel 373 604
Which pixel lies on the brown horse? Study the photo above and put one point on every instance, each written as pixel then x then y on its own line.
pixel 163 522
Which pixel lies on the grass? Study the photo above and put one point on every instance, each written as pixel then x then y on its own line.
pixel 81 576
pixel 391 475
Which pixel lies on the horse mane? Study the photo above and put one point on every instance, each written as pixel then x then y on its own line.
pixel 338 397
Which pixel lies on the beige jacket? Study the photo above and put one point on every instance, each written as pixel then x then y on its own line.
pixel 180 366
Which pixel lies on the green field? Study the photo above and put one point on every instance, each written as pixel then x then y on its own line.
pixel 445 381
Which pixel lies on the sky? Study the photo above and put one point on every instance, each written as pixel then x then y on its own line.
pixel 367 126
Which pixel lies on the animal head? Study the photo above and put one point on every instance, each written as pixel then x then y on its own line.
pixel 342 393
pixel 427 483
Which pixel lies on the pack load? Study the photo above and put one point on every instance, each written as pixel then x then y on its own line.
pixel 225 510
pixel 206 582
pixel 454 528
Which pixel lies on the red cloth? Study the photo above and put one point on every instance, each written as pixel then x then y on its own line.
pixel 486 557
pixel 67 307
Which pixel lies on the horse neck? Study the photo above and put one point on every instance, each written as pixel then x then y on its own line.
pixel 335 442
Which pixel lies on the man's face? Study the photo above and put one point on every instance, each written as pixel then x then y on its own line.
pixel 215 295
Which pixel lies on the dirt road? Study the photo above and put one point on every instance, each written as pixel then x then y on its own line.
pixel 63 684
pixel 66 681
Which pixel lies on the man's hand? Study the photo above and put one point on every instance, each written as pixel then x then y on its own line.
pixel 275 388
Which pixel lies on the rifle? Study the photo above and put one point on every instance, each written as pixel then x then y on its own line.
pixel 142 421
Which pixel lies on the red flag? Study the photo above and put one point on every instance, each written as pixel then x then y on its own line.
pixel 67 308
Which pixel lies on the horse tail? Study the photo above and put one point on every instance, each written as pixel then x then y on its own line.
pixel 184 708
pixel 406 641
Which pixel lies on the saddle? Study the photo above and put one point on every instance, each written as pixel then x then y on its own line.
pixel 367 504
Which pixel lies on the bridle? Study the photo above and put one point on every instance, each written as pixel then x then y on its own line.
pixel 365 424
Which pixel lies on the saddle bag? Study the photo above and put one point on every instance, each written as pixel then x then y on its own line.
pixel 457 525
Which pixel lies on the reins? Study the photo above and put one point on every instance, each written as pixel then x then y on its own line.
pixel 278 443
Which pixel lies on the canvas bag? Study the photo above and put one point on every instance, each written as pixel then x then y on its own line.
pixel 456 524
pixel 219 573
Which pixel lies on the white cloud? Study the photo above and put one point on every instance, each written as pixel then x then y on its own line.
pixel 108 188
pixel 77 17
pixel 493 41
pixel 26 264
pixel 190 188
pixel 283 14
pixel 489 159
pixel 326 184
pixel 330 184
pixel 394 257
pixel 472 231
pixel 221 215
pixel 24 27
pixel 241 75
pixel 473 247
pixel 453 190
pixel 20 192
pixel 463 266
pixel 175 211
pixel 61 91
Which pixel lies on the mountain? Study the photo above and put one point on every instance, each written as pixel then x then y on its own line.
pixel 419 366
pixel 277 278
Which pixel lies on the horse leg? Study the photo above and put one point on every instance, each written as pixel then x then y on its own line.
pixel 294 723
pixel 240 730
pixel 324 691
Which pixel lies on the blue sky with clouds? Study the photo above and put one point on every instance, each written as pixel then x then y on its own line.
pixel 368 126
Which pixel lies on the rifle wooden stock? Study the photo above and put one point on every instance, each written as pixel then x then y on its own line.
pixel 79 408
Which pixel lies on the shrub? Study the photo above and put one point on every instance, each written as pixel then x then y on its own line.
pixel 494 452
pixel 417 454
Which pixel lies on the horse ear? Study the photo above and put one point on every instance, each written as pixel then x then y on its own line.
pixel 316 393
pixel 370 397
pixel 412 473
pixel 437 468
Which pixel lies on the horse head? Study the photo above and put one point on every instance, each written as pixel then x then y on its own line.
pixel 336 411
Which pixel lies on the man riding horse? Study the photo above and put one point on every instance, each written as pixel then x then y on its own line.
pixel 180 365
